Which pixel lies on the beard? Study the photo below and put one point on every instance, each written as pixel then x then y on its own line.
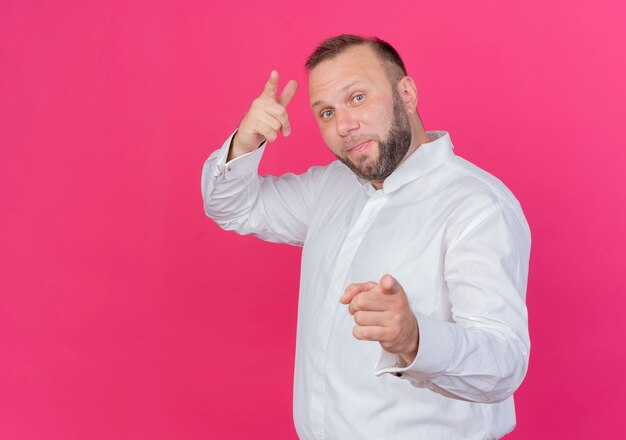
pixel 391 151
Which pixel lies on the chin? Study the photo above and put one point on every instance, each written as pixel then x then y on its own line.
pixel 366 167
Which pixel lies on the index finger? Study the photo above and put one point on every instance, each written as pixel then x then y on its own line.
pixel 271 86
pixel 354 289
pixel 288 93
pixel 371 300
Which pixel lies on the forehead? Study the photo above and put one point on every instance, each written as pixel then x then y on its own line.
pixel 355 64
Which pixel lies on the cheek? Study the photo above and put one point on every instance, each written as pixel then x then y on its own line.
pixel 380 117
pixel 330 137
pixel 376 115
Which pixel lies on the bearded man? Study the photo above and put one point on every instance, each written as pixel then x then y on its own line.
pixel 412 321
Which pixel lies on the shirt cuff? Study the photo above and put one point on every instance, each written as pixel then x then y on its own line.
pixel 434 355
pixel 240 166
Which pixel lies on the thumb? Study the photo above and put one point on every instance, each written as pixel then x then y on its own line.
pixel 389 285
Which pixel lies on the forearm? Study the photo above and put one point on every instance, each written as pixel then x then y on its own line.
pixel 479 351
pixel 479 363
pixel 473 364
pixel 275 209
pixel 229 189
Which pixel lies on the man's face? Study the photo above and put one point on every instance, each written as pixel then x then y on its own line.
pixel 360 114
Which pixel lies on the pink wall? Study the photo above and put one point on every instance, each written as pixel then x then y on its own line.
pixel 124 313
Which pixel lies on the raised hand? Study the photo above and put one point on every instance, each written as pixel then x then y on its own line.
pixel 382 313
pixel 267 115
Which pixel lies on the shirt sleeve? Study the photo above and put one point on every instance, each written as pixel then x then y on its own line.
pixel 482 354
pixel 275 209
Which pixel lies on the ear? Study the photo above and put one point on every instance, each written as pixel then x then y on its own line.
pixel 408 93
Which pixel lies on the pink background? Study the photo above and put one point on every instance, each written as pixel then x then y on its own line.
pixel 126 314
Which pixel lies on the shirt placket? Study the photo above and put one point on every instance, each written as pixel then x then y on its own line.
pixel 331 306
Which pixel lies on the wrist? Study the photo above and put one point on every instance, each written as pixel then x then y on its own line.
pixel 409 356
pixel 236 149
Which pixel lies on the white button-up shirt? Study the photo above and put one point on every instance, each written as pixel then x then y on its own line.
pixel 457 241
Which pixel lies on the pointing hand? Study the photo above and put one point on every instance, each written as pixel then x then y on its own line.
pixel 382 313
pixel 267 115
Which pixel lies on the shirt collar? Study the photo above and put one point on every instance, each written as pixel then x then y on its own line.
pixel 425 158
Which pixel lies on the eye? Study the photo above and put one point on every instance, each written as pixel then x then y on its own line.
pixel 326 114
pixel 358 98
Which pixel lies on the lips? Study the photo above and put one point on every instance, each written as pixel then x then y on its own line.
pixel 359 147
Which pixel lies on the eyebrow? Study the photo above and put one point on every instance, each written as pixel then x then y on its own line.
pixel 343 89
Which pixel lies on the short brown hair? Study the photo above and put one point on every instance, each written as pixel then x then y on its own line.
pixel 331 47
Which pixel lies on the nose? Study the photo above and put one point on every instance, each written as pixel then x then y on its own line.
pixel 346 122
